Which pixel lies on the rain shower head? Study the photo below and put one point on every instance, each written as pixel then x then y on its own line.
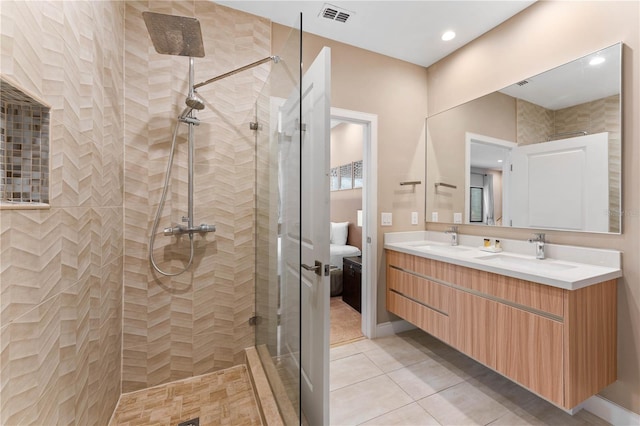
pixel 175 35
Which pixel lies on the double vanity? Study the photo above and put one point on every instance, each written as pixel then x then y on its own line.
pixel 547 324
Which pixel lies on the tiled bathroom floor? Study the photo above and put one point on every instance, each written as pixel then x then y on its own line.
pixel 414 379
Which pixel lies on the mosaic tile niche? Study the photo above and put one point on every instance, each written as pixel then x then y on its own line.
pixel 24 147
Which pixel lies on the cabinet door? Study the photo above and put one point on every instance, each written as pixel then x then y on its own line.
pixel 352 284
pixel 529 351
pixel 473 323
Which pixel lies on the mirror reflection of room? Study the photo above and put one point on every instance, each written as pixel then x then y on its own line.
pixel 549 140
pixel 346 231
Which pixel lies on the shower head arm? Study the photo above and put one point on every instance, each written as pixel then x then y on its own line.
pixel 237 70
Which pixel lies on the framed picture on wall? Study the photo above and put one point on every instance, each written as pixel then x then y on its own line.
pixel 357 174
pixel 346 176
pixel 334 179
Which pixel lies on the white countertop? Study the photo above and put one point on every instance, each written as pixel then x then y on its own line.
pixel 566 267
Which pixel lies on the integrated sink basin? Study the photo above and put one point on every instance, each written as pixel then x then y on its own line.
pixel 536 265
pixel 443 248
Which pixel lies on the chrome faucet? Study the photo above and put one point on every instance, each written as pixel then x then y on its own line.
pixel 453 231
pixel 538 239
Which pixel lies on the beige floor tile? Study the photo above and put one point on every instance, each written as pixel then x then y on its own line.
pixel 412 414
pixel 517 418
pixel 394 353
pixel 365 345
pixel 548 416
pixel 350 370
pixel 464 404
pixel 344 351
pixel 352 405
pixel 426 378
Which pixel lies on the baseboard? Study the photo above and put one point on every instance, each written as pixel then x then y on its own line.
pixel 393 327
pixel 611 412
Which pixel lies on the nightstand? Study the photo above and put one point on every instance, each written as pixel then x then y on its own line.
pixel 352 281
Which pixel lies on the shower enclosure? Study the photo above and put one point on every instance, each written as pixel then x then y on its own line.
pixel 278 214
pixel 239 286
pixel 197 322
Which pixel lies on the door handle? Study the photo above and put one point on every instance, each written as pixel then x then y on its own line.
pixel 317 268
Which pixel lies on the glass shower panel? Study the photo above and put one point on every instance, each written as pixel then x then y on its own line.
pixel 277 228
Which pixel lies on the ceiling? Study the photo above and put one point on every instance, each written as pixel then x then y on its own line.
pixel 406 30
pixel 573 83
pixel 486 156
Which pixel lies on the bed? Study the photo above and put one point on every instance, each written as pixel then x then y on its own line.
pixel 338 250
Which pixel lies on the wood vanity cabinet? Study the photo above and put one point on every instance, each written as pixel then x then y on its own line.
pixel 560 344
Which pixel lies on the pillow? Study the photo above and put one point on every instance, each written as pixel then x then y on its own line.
pixel 339 233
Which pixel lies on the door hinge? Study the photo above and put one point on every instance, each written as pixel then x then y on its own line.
pixel 254 125
pixel 511 167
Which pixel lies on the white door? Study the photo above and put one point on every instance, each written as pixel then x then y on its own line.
pixel 316 110
pixel 305 241
pixel 561 184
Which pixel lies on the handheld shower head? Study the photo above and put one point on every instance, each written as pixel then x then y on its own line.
pixel 194 101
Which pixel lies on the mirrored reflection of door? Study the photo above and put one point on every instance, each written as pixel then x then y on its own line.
pixel 561 184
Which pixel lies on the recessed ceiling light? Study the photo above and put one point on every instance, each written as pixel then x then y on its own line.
pixel 448 35
pixel 596 61
pixel 499 161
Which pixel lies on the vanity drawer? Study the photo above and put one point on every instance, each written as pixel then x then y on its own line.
pixel 401 260
pixel 429 320
pixel 422 291
pixel 519 293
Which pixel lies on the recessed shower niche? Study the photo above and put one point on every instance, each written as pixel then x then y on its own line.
pixel 24 147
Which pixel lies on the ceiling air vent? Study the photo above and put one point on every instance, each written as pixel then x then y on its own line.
pixel 522 83
pixel 335 13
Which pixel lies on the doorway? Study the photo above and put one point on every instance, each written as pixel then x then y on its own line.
pixel 354 200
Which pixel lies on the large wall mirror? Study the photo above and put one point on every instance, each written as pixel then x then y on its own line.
pixel 544 153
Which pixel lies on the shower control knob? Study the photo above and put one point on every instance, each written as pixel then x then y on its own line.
pixel 207 228
pixel 172 231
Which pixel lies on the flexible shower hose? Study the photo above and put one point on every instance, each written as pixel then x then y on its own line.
pixel 163 198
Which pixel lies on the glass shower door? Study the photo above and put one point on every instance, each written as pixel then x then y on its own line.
pixel 278 229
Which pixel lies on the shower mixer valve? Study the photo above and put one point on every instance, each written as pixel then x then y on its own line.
pixel 180 229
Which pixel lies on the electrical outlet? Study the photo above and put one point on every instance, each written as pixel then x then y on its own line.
pixel 457 218
pixel 386 219
pixel 414 218
pixel 434 216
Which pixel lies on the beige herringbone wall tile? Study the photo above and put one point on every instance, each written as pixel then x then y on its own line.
pixel 61 268
pixel 535 123
pixel 196 322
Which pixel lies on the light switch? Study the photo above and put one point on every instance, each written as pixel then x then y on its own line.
pixel 386 219
pixel 434 216
pixel 457 218
pixel 414 218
